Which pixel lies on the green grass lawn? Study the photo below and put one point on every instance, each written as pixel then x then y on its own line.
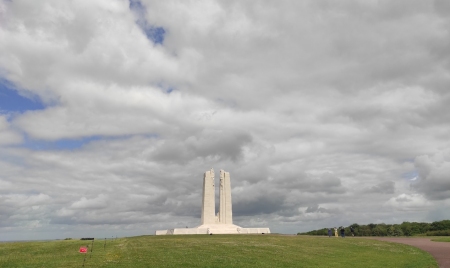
pixel 441 239
pixel 216 251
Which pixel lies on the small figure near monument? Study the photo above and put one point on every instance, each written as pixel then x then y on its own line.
pixel 329 232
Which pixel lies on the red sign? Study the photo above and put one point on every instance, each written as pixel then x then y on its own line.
pixel 83 250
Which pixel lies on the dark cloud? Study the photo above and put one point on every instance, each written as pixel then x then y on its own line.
pixel 433 172
pixel 262 204
pixel 316 208
pixel 326 183
pixel 386 187
pixel 223 144
pixel 442 7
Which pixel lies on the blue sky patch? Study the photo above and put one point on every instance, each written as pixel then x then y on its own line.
pixel 72 144
pixel 11 101
pixel 137 6
pixel 166 88
pixel 153 33
pixel 62 144
pixel 410 175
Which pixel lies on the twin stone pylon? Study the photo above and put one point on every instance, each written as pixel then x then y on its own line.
pixel 225 215
pixel 222 223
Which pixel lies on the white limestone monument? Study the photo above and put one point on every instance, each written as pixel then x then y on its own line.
pixel 222 223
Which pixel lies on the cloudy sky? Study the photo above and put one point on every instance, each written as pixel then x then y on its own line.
pixel 325 113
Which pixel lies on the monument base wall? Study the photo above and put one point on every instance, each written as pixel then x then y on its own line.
pixel 213 229
pixel 255 231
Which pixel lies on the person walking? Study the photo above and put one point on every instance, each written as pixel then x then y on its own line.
pixel 329 232
pixel 343 232
pixel 335 232
pixel 352 231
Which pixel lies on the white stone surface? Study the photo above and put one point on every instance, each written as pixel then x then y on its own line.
pixel 210 224
pixel 225 209
pixel 208 200
pixel 220 229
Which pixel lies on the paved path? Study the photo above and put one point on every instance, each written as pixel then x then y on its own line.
pixel 439 250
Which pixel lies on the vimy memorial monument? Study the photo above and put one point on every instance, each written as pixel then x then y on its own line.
pixel 212 223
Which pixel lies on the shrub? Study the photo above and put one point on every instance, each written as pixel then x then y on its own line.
pixel 439 233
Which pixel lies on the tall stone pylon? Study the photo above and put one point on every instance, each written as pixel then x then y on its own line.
pixel 223 223
pixel 225 209
pixel 208 201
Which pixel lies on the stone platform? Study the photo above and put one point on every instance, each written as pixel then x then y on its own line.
pixel 214 229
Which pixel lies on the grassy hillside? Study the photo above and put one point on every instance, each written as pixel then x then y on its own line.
pixel 216 251
pixel 441 239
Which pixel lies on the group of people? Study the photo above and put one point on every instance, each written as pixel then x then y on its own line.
pixel 342 231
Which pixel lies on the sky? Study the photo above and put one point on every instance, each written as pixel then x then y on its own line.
pixel 325 113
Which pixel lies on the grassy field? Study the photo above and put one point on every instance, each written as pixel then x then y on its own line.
pixel 216 251
pixel 441 239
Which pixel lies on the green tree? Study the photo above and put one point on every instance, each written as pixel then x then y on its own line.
pixel 398 231
pixel 390 230
pixel 440 225
pixel 364 230
pixel 379 230
pixel 406 228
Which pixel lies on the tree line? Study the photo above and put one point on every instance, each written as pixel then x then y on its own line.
pixel 437 228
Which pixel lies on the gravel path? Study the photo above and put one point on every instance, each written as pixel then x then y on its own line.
pixel 439 250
